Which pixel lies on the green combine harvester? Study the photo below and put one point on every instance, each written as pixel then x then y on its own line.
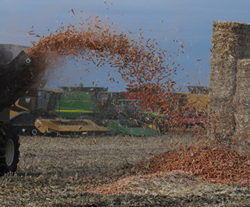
pixel 132 121
pixel 104 108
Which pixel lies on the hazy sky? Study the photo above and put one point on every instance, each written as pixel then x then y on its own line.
pixel 189 22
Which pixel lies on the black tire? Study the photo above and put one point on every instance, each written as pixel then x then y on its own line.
pixel 34 132
pixel 9 149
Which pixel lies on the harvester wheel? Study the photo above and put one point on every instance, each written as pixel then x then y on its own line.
pixel 9 149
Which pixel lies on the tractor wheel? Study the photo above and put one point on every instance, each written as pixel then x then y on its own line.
pixel 9 149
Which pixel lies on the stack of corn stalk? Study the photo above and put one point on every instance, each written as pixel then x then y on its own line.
pixel 242 100
pixel 229 42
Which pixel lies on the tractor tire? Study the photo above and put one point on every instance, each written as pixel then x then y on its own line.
pixel 9 149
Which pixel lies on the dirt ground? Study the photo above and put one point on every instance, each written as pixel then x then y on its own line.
pixel 59 172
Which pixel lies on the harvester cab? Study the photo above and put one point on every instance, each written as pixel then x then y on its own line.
pixel 46 101
pixel 36 103
pixel 129 108
pixel 109 103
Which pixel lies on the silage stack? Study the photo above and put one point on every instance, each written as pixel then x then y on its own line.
pixel 242 100
pixel 230 42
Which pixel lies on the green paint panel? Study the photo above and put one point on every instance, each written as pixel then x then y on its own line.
pixel 76 103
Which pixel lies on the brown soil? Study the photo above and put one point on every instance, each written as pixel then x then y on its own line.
pixel 66 172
